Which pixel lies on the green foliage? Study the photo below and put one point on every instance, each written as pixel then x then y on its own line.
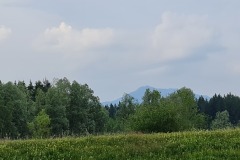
pixel 112 126
pixel 219 103
pixel 221 121
pixel 100 118
pixel 56 109
pixel 13 111
pixel 40 127
pixel 40 102
pixel 73 109
pixel 63 86
pixel 185 101
pixel 205 145
pixel 84 111
pixel 177 112
pixel 151 97
pixel 112 111
pixel 127 108
pixel 232 105
pixel 156 119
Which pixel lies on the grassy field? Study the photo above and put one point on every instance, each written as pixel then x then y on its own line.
pixel 222 144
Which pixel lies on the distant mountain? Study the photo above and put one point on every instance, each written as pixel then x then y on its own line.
pixel 138 94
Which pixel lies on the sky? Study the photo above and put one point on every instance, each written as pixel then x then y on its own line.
pixel 118 46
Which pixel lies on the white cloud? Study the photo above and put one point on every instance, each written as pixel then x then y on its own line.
pixel 179 36
pixel 65 38
pixel 4 33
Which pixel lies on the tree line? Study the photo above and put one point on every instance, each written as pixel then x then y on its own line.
pixel 45 109
pixel 64 108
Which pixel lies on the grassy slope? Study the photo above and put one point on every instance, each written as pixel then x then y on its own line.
pixel 223 144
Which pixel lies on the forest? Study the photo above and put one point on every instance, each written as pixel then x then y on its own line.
pixel 63 108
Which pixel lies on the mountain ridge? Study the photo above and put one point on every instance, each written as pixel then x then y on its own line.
pixel 138 94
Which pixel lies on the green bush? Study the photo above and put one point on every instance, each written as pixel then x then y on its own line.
pixel 177 112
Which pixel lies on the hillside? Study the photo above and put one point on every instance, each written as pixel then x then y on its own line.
pixel 221 144
pixel 138 94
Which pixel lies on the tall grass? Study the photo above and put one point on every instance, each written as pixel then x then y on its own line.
pixel 221 144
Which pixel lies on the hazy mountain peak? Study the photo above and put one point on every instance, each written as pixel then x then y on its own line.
pixel 138 94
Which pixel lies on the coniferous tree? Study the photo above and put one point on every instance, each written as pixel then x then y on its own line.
pixel 233 107
pixel 216 104
pixel 202 104
pixel 112 111
pixel 31 91
pixel 46 85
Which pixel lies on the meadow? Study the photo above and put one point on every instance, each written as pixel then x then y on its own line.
pixel 219 144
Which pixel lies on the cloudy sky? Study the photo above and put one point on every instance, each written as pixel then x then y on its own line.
pixel 118 46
